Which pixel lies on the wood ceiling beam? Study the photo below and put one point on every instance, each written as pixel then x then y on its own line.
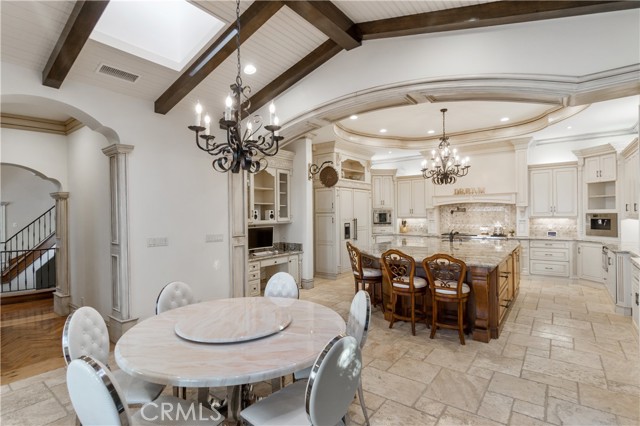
pixel 326 17
pixel 304 67
pixel 84 17
pixel 250 21
pixel 486 14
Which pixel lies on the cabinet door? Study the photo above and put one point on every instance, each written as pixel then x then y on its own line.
pixel 264 195
pixel 590 261
pixel 362 215
pixel 592 169
pixel 418 198
pixel 404 199
pixel 380 192
pixel 324 200
pixel 283 196
pixel 346 229
pixel 565 183
pixel 541 192
pixel 387 192
pixel 324 249
pixel 608 167
pixel 293 268
pixel 631 177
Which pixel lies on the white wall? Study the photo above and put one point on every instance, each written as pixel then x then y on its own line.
pixel 557 152
pixel 173 191
pixel 27 195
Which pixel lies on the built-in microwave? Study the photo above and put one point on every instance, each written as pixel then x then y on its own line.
pixel 382 217
pixel 602 225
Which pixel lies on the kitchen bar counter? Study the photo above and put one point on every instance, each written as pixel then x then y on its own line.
pixel 493 271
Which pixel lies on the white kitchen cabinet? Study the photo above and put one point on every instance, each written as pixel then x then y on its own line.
pixel 524 257
pixel 589 258
pixel 294 267
pixel 324 200
pixel 601 168
pixel 631 187
pixel 382 191
pixel 549 258
pixel 283 195
pixel 269 191
pixel 326 247
pixel 254 279
pixel 554 191
pixel 411 198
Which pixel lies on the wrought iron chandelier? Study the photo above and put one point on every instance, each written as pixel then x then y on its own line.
pixel 446 164
pixel 241 148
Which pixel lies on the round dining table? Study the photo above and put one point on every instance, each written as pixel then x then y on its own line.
pixel 228 342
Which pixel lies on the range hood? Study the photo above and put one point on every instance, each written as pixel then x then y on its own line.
pixel 497 198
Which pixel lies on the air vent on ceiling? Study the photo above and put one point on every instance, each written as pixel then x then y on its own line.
pixel 117 73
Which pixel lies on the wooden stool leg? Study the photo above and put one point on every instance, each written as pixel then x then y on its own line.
pixel 434 318
pixel 413 314
pixel 460 322
pixel 394 299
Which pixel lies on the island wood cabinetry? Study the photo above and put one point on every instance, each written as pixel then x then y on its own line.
pixel 411 197
pixel 553 191
pixel 382 188
pixel 493 271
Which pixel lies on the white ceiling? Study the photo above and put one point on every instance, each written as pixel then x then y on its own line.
pixel 30 29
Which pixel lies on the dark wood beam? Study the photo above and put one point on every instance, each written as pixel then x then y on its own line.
pixel 253 18
pixel 76 32
pixel 304 67
pixel 326 17
pixel 486 14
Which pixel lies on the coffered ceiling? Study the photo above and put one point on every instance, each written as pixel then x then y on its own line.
pixel 286 41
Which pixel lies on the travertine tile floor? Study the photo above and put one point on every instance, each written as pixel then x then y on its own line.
pixel 564 358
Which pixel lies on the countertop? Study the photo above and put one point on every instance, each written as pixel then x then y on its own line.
pixel 482 252
pixel 273 254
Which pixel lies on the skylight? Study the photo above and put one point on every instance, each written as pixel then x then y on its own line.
pixel 167 32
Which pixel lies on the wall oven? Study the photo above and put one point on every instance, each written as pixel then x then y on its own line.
pixel 382 217
pixel 602 225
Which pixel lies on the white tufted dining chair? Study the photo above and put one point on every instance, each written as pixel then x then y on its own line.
pixel 282 284
pixel 85 333
pixel 358 327
pixel 174 295
pixel 322 400
pixel 98 400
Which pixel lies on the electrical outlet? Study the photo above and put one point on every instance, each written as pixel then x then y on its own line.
pixel 157 242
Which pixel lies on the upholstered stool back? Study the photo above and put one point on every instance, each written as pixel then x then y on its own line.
pixel 85 333
pixel 174 295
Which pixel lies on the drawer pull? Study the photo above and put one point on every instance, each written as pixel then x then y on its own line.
pixel 548 254
pixel 548 268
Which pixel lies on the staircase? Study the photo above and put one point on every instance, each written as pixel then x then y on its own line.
pixel 28 257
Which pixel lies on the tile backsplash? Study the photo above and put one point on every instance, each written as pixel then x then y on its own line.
pixel 565 227
pixel 476 218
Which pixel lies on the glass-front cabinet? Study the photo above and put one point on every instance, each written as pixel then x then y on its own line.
pixel 284 196
pixel 269 191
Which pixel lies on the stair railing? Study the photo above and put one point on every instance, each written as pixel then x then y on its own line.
pixel 30 237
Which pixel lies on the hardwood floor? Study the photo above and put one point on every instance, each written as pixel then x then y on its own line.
pixel 31 336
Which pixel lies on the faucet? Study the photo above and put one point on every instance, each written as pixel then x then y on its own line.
pixel 452 234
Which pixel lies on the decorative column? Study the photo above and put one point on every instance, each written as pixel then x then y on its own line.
pixel 62 295
pixel 238 233
pixel 120 318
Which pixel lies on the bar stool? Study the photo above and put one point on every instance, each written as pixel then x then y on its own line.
pixel 446 276
pixel 401 271
pixel 366 276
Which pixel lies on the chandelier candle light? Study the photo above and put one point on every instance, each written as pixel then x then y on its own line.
pixel 240 149
pixel 446 165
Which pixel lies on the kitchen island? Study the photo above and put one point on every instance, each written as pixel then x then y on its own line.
pixel 493 272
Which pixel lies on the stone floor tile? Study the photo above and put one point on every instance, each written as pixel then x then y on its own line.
pixel 561 412
pixel 380 364
pixel 631 349
pixel 600 346
pixel 514 351
pixel 603 307
pixel 576 357
pixel 429 406
pixel 569 371
pixel 372 401
pixel 623 388
pixel 499 363
pixel 382 351
pixel 528 409
pixel 563 331
pixel 4 388
pixel 480 372
pixel 529 341
pixel 414 369
pixel 25 396
pixel 564 394
pixel 457 389
pixel 518 419
pixel 568 322
pixel 592 317
pixel 552 337
pixel 517 328
pixel 61 393
pixel 535 313
pixel 562 343
pixel 393 413
pixel 49 375
pixel 495 407
pixel 612 402
pixel 37 414
pixel 518 388
pixel 453 416
pixel 622 331
pixel 622 371
pixel 550 380
pixel 459 361
pixel 538 352
pixel 391 386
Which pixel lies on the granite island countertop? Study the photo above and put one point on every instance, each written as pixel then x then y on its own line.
pixel 487 253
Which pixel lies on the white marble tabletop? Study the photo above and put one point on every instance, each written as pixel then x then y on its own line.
pixel 152 351
pixel 218 323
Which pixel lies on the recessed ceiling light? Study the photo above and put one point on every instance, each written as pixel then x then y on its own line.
pixel 354 117
pixel 569 127
pixel 249 69
pixel 431 132
pixel 383 130
pixel 503 119
pixel 551 119
pixel 390 152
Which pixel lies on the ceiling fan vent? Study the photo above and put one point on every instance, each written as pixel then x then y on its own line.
pixel 117 73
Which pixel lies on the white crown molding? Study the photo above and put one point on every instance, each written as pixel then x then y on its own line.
pixel 43 125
